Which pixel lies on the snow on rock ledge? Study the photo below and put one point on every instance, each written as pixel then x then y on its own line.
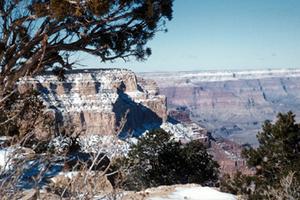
pixel 95 101
pixel 181 192
pixel 192 78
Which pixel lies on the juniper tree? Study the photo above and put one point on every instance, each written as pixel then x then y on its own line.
pixel 279 149
pixel 277 156
pixel 41 34
pixel 157 159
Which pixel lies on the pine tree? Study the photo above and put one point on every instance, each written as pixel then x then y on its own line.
pixel 279 149
pixel 277 156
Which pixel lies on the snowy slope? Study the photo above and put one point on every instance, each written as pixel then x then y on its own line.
pixel 177 192
pixel 195 193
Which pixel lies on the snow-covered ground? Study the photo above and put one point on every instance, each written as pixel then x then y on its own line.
pixel 5 158
pixel 185 132
pixel 108 144
pixel 195 193
pixel 113 146
pixel 174 192
pixel 10 154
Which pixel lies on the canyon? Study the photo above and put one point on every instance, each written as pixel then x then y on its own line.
pixel 100 102
pixel 222 109
pixel 104 104
pixel 231 104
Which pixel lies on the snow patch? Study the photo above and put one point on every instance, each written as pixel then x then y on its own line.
pixel 108 144
pixel 195 193
pixel 185 132
pixel 6 156
pixel 182 79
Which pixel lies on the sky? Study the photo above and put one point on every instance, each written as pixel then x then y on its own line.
pixel 222 35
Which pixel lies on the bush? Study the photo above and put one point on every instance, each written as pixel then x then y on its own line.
pixel 277 156
pixel 289 189
pixel 157 159
pixel 239 184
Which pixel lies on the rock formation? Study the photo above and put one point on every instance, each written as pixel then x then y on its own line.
pixel 101 102
pixel 231 104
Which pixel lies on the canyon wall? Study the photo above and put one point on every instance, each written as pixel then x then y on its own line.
pixel 101 102
pixel 231 104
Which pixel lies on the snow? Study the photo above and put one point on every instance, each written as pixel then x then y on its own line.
pixel 68 175
pixel 193 77
pixel 195 193
pixel 185 132
pixel 137 96
pixel 174 192
pixel 9 155
pixel 4 139
pixel 5 158
pixel 114 146
pixel 76 99
pixel 108 144
pixel 60 144
pixel 179 131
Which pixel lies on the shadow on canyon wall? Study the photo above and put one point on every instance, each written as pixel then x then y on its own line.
pixel 136 118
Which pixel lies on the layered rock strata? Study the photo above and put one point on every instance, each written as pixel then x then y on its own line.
pixel 231 104
pixel 101 102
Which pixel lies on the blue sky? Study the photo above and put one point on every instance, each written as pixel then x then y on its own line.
pixel 223 34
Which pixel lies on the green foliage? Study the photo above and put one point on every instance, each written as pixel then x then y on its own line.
pixel 39 35
pixel 99 7
pixel 243 185
pixel 277 156
pixel 289 189
pixel 159 160
pixel 279 149
pixel 43 34
pixel 233 185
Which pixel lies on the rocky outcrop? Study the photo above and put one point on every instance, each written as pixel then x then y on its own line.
pixel 231 104
pixel 101 102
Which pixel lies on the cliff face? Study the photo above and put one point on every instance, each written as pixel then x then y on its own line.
pixel 232 104
pixel 100 101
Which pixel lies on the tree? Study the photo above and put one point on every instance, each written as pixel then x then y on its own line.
pixel 157 159
pixel 279 149
pixel 36 35
pixel 39 35
pixel 277 156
